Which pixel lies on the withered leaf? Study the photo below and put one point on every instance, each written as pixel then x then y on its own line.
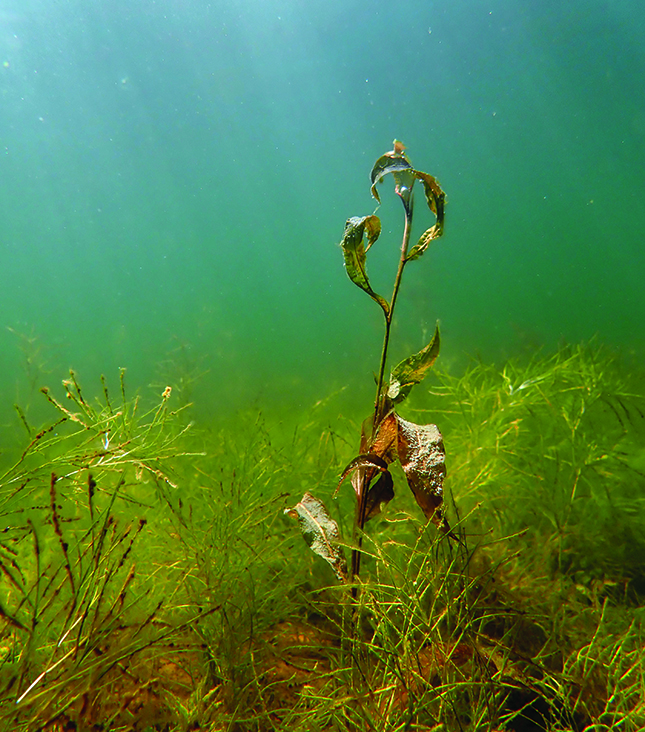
pixel 422 456
pixel 382 452
pixel 354 252
pixel 320 531
pixel 370 460
pixel 384 442
pixel 381 492
pixel 413 369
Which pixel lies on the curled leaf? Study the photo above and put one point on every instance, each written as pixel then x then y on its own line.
pixel 395 162
pixel 369 460
pixel 412 370
pixel 380 493
pixel 422 456
pixel 354 252
pixel 320 531
pixel 436 199
pixel 391 162
pixel 384 441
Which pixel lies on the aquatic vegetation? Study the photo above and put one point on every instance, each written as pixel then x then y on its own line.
pixel 150 580
pixel 182 599
pixel 75 610
pixel 386 437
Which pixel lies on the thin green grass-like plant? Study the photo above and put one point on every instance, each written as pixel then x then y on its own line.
pixel 554 444
pixel 76 614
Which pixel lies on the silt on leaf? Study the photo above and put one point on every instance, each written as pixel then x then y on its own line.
pixel 422 457
pixel 320 531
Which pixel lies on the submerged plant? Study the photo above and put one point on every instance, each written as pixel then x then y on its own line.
pixel 76 613
pixel 386 437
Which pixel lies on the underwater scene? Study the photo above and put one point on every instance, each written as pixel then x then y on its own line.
pixel 322 345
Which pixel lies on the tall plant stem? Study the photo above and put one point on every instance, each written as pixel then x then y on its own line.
pixel 380 402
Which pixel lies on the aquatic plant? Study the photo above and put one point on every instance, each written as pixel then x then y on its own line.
pixel 386 437
pixel 149 583
pixel 197 611
pixel 76 614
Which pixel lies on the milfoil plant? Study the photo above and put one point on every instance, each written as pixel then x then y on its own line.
pixel 386 437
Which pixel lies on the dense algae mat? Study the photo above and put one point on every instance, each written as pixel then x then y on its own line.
pixel 150 580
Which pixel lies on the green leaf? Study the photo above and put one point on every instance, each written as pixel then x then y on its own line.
pixel 320 531
pixel 412 370
pixel 388 163
pixel 354 252
pixel 403 173
pixel 422 457
pixel 435 198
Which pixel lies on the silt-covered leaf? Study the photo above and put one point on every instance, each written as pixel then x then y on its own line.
pixel 320 531
pixel 354 251
pixel 422 457
pixel 412 370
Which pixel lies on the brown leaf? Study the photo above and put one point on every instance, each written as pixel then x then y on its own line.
pixel 381 492
pixel 369 460
pixel 381 447
pixel 384 442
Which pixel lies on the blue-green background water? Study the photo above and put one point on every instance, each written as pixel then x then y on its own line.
pixel 176 174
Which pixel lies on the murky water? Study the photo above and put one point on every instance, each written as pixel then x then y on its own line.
pixel 175 178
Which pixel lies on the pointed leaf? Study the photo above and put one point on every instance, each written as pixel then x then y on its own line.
pixel 435 198
pixel 369 460
pixel 422 457
pixel 380 493
pixel 354 252
pixel 320 531
pixel 413 369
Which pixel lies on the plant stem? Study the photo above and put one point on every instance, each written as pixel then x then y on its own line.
pixel 379 406
pixel 380 403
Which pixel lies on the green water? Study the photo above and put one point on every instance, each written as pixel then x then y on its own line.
pixel 175 178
